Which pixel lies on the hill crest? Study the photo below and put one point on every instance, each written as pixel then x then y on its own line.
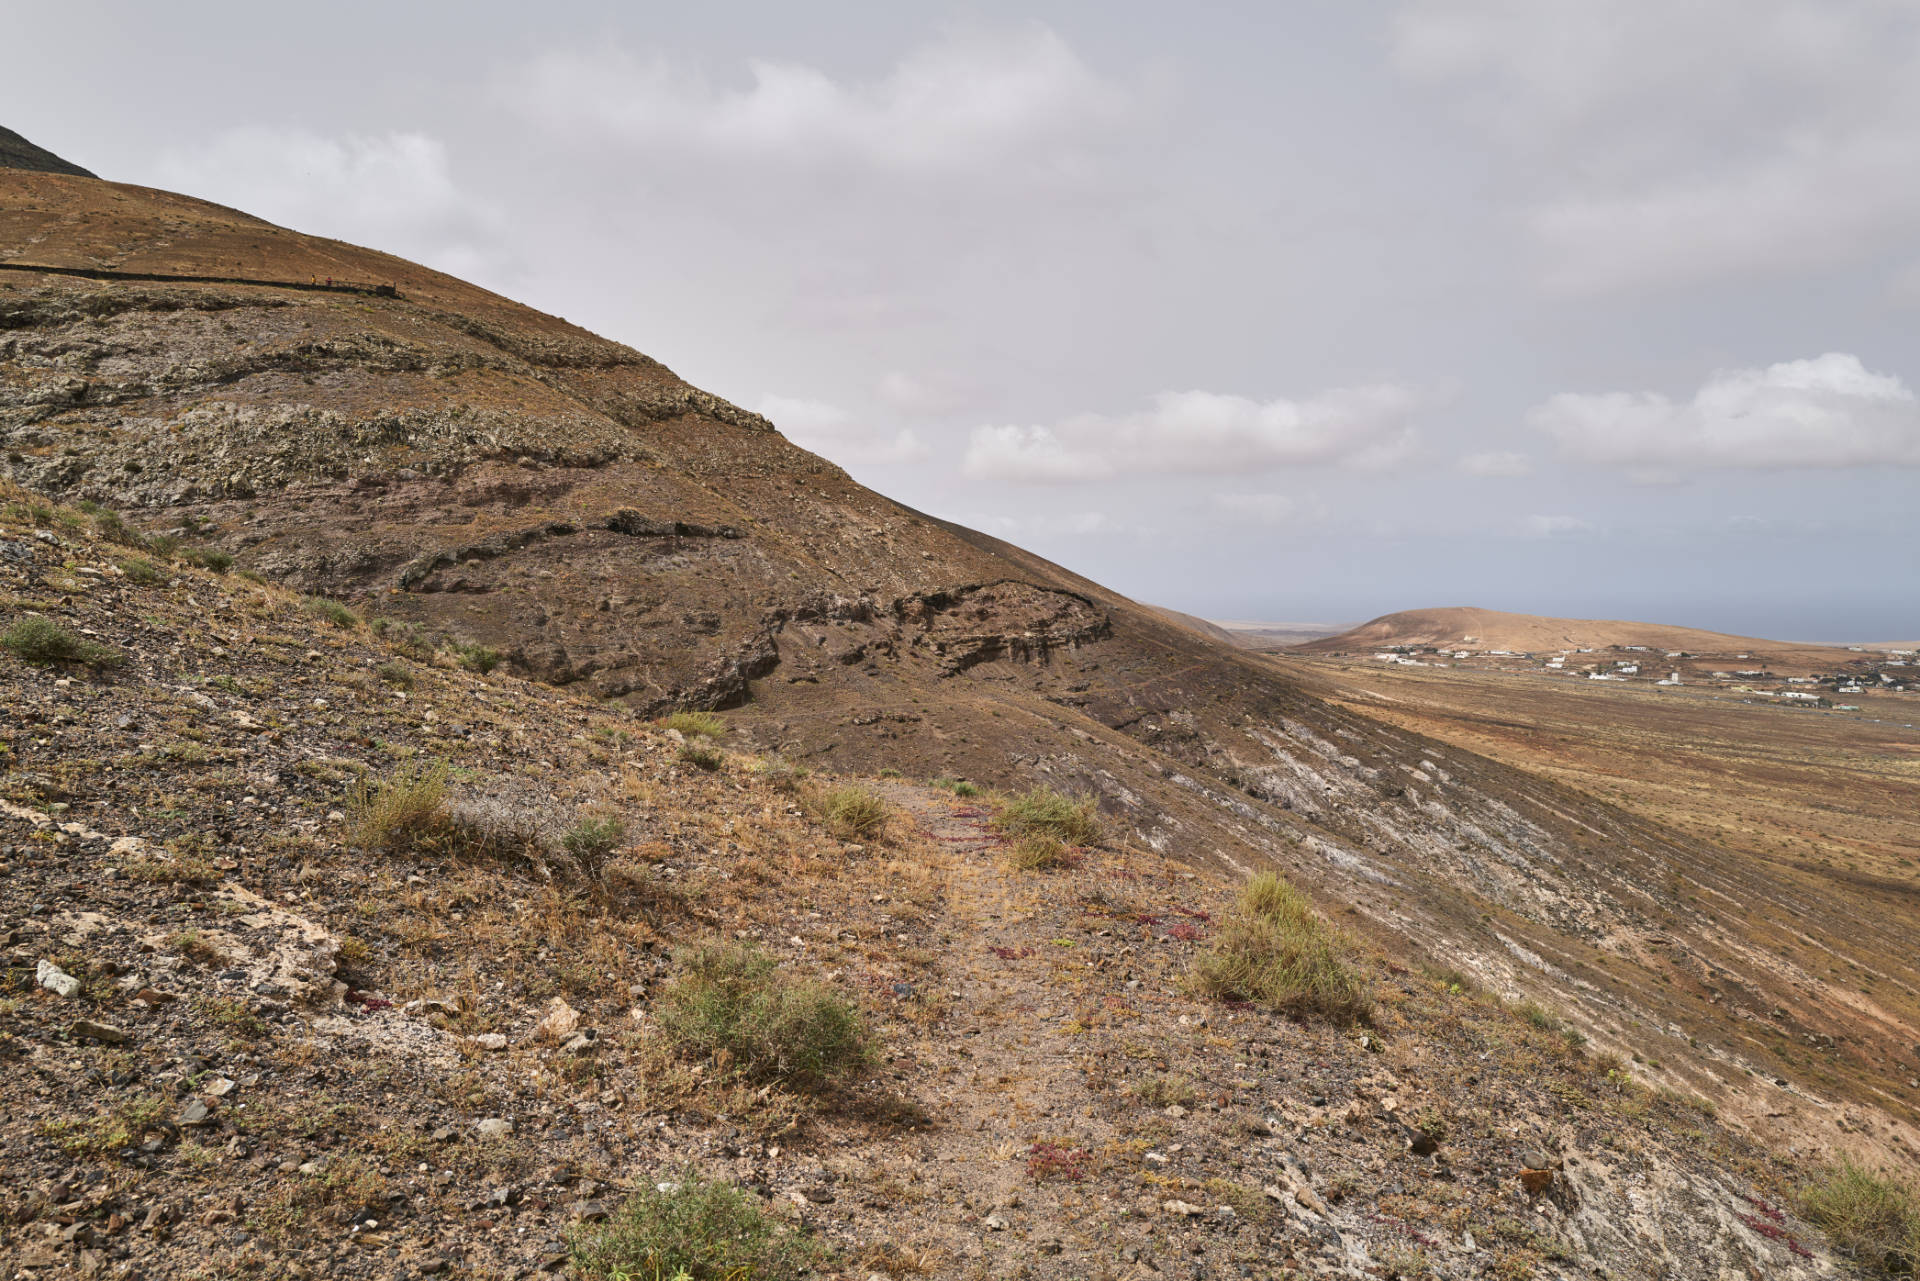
pixel 1466 626
pixel 17 153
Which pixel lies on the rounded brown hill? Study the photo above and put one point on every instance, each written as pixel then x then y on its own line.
pixel 463 469
pixel 1466 627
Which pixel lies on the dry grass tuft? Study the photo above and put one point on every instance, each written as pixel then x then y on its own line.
pixel 690 1230
pixel 1034 852
pixel 402 813
pixel 694 724
pixel 1074 820
pixel 1274 950
pixel 38 639
pixel 854 814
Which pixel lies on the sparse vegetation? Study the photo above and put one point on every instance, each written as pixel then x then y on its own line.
pixel 332 611
pixel 217 561
pixel 690 1230
pixel 1034 852
pixel 1276 951
pixel 142 572
pixel 473 656
pixel 1074 820
pixel 731 1004
pixel 594 837
pixel 700 756
pixel 1872 1219
pixel 694 724
pixel 853 813
pixel 401 813
pixel 38 639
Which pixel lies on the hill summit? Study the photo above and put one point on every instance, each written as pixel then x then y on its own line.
pixel 17 153
pixel 1485 629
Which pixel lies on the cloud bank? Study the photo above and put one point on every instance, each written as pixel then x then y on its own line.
pixel 1828 412
pixel 1201 432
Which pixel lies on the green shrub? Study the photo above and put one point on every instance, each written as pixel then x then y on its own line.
pixel 1274 950
pixel 38 639
pixel 964 788
pixel 1872 1219
pixel 1073 819
pixel 112 527
pixel 332 611
pixel 1163 1091
pixel 403 813
pixel 142 571
pixel 780 774
pixel 1536 1015
pixel 730 1003
pixel 690 1231
pixel 474 656
pixel 594 837
pixel 701 756
pixel 853 813
pixel 1034 852
pixel 694 724
pixel 395 674
pixel 162 544
pixel 219 562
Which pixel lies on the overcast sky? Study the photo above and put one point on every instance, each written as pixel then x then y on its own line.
pixel 1299 311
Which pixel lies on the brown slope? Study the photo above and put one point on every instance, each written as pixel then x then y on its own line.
pixel 1484 629
pixel 458 464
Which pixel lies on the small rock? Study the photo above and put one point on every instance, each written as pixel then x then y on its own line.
pixel 590 1211
pixel 559 1023
pixel 1185 1208
pixel 494 1127
pixel 488 1041
pixel 218 1088
pixel 819 1195
pixel 55 979
pixel 197 1113
pixel 105 1033
pixel 581 1044
pixel 1175 1111
pixel 994 1223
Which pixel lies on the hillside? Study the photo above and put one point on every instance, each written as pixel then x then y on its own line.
pixel 17 153
pixel 1464 627
pixel 474 477
pixel 262 1019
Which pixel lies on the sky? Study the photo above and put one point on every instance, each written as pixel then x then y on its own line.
pixel 1299 310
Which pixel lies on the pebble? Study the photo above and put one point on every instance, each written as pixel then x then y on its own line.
pixel 494 1128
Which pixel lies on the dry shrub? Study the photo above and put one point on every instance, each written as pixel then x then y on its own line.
pixel 690 1230
pixel 1074 820
pixel 403 813
pixel 38 639
pixel 731 1004
pixel 1274 950
pixel 854 814
pixel 1872 1219
pixel 1034 852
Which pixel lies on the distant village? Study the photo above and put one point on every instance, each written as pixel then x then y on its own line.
pixel 1888 671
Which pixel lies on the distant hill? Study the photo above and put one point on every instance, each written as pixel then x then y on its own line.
pixel 17 153
pixel 1465 627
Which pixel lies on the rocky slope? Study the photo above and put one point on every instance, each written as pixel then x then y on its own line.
pixel 238 1042
pixel 348 424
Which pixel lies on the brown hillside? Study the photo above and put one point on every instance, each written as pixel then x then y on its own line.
pixel 17 153
pixel 465 470
pixel 1484 629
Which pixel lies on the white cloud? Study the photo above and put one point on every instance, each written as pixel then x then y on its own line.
pixel 1827 412
pixel 1496 463
pixel 391 191
pixel 1555 527
pixel 1270 511
pixel 1659 143
pixel 1204 432
pixel 968 103
pixel 834 434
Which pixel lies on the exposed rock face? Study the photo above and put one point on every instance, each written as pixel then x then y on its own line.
pixel 453 462
pixel 17 153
